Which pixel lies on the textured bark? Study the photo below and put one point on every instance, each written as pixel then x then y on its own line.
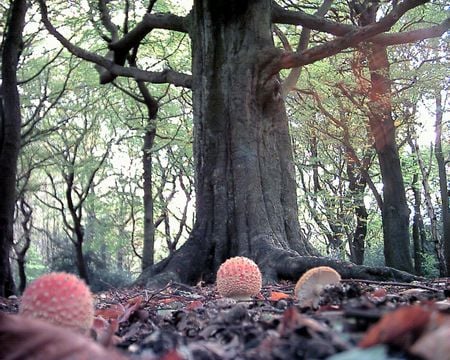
pixel 245 181
pixel 10 122
pixel 245 187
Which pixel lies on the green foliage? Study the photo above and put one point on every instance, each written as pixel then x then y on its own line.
pixel 430 265
pixel 103 276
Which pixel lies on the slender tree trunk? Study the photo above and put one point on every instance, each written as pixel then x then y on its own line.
pixel 21 248
pixel 357 185
pixel 443 181
pixel 78 235
pixel 149 227
pixel 435 237
pixel 81 262
pixel 10 122
pixel 419 235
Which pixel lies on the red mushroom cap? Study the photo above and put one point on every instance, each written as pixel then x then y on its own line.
pixel 61 299
pixel 239 278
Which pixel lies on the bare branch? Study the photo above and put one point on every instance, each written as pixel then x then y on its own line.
pixel 352 38
pixel 315 22
pixel 291 80
pixel 166 76
pixel 413 35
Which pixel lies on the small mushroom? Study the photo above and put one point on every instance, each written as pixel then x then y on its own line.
pixel 239 278
pixel 311 284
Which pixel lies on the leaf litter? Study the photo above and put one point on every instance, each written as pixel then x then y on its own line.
pixel 354 320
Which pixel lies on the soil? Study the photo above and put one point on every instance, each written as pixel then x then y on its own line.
pixel 354 320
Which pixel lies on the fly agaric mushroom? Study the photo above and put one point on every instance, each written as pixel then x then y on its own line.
pixel 312 283
pixel 61 299
pixel 239 278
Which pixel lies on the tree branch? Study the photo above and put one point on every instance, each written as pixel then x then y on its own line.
pixel 166 76
pixel 413 35
pixel 291 80
pixel 315 22
pixel 352 38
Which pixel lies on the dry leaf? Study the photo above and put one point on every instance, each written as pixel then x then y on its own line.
pixel 400 327
pixel 433 345
pixel 378 295
pixel 32 339
pixel 275 296
pixel 196 304
pixel 114 312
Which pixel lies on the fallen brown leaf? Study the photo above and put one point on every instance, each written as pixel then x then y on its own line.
pixel 433 345
pixel 400 327
pixel 275 296
pixel 31 339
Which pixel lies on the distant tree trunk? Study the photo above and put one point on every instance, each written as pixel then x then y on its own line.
pixel 10 123
pixel 245 180
pixel 418 233
pixel 357 185
pixel 443 181
pixel 395 211
pixel 76 228
pixel 21 247
pixel 435 238
pixel 148 252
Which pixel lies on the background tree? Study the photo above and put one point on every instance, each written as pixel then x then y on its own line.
pixel 10 121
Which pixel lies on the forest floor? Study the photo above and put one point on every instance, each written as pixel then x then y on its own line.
pixel 355 320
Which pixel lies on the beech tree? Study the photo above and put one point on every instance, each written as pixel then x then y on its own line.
pixel 244 174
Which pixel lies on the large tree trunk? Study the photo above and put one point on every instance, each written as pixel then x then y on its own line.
pixel 245 181
pixel 10 122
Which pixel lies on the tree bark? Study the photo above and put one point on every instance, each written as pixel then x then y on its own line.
pixel 245 180
pixel 10 123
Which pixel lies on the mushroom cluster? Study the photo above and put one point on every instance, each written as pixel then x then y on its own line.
pixel 61 299
pixel 311 284
pixel 239 278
